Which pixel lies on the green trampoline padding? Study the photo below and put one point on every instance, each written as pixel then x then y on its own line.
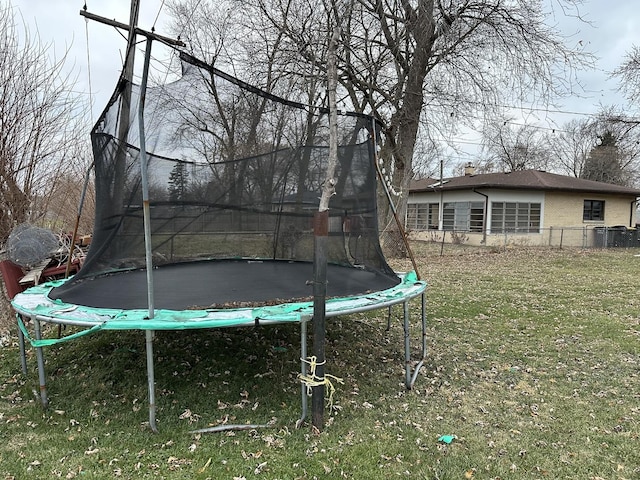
pixel 35 302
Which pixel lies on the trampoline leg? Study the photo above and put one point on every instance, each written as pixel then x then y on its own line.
pixel 23 352
pixel 424 343
pixel 407 346
pixel 410 377
pixel 41 374
pixel 303 370
pixel 389 319
pixel 151 381
pixel 424 326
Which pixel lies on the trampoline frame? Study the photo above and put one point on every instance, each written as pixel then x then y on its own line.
pixel 35 305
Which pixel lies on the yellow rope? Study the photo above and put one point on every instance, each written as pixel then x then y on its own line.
pixel 312 380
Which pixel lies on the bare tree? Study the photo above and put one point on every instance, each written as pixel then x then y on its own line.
pixel 569 146
pixel 398 56
pixel 605 147
pixel 629 74
pixel 39 117
pixel 512 147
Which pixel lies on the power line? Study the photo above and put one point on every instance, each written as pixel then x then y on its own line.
pixel 522 107
pixel 552 129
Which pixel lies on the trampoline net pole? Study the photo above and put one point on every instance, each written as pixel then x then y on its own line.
pixel 145 181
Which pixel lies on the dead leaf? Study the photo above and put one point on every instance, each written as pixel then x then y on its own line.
pixel 259 468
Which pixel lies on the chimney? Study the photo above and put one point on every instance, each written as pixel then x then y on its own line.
pixel 469 169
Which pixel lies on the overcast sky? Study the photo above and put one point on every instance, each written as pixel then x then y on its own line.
pixel 615 27
pixel 95 50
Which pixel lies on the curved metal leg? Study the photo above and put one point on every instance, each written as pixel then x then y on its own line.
pixel 411 376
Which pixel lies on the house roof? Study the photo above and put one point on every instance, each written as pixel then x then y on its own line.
pixel 524 179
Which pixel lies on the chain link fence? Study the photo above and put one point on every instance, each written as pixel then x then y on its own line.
pixel 452 241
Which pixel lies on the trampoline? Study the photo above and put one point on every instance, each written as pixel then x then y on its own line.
pixel 221 284
pixel 199 225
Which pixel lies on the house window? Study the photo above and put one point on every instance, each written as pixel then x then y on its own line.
pixel 515 217
pixel 417 216
pixel 434 216
pixel 422 216
pixel 593 210
pixel 463 216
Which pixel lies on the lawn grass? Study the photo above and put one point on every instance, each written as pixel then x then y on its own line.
pixel 533 365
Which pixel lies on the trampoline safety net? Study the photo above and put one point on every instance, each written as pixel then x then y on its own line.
pixel 233 172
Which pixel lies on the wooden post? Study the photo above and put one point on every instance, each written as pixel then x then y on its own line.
pixel 321 238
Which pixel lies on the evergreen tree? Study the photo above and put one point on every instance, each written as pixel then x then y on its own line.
pixel 603 164
pixel 178 180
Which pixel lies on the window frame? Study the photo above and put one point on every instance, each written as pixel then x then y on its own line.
pixel 588 212
pixel 463 217
pixel 417 216
pixel 516 217
pixel 423 216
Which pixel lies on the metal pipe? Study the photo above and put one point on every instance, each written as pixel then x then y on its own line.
pixel 151 381
pixel 77 224
pixel 23 352
pixel 416 371
pixel 303 369
pixel 407 349
pixel 424 325
pixel 145 180
pixel 147 236
pixel 41 374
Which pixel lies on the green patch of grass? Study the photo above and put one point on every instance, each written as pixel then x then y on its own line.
pixel 533 364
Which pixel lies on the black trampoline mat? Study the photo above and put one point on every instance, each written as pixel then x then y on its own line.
pixel 219 284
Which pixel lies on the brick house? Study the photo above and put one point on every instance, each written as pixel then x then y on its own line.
pixel 523 207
